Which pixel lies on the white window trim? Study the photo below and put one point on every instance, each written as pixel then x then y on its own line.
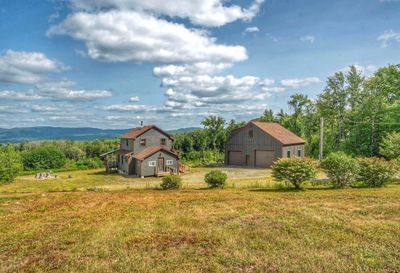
pixel 152 163
pixel 170 162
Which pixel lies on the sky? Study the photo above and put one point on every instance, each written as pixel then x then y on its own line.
pixel 115 63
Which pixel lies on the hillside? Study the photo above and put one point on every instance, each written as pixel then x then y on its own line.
pixel 16 135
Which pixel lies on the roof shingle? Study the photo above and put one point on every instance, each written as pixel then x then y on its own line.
pixel 152 150
pixel 136 132
pixel 279 132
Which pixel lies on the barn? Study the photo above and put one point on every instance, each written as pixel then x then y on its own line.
pixel 260 144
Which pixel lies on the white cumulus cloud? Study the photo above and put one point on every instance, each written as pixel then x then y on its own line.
pixel 26 67
pixel 389 37
pixel 296 83
pixel 21 96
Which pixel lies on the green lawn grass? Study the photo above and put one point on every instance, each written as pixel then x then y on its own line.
pixel 243 229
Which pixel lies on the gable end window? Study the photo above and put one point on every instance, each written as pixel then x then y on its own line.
pixel 143 142
pixel 299 153
pixel 251 134
pixel 288 154
pixel 163 141
pixel 170 162
pixel 127 143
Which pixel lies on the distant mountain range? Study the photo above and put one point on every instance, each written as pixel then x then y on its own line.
pixel 16 135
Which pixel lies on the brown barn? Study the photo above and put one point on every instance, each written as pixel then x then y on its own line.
pixel 260 144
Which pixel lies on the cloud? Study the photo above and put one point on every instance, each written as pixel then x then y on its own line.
pixel 308 39
pixel 45 108
pixel 251 30
pixel 12 109
pixel 26 67
pixel 134 99
pixel 63 91
pixel 297 83
pixel 209 13
pixel 134 108
pixel 202 68
pixel 120 36
pixel 21 96
pixel 388 38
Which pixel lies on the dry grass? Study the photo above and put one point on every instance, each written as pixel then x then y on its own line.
pixel 197 230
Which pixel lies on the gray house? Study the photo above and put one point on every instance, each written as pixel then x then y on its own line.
pixel 260 144
pixel 147 151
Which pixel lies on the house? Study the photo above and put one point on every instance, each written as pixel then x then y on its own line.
pixel 147 151
pixel 260 144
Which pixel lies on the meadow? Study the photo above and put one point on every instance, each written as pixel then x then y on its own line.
pixel 128 225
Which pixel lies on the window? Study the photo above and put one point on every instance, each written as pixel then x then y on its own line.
pixel 170 162
pixel 143 142
pixel 152 163
pixel 163 141
pixel 122 159
pixel 127 143
pixel 299 153
pixel 251 134
pixel 118 158
pixel 288 154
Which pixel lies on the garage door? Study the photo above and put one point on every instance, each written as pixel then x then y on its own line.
pixel 265 158
pixel 236 158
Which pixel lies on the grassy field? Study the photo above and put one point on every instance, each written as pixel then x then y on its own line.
pixel 248 227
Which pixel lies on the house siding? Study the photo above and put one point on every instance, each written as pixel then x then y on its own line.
pixel 150 171
pixel 123 145
pixel 153 138
pixel 293 150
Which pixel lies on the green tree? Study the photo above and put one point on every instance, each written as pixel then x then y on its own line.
pixel 390 146
pixel 43 158
pixel 214 127
pixel 11 164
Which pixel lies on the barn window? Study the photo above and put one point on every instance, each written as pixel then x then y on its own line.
pixel 143 142
pixel 299 153
pixel 163 141
pixel 170 162
pixel 251 134
pixel 152 163
pixel 288 154
pixel 127 143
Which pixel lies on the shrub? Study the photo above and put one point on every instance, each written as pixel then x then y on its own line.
pixel 11 164
pixel 215 179
pixel 171 182
pixel 43 158
pixel 340 168
pixel 390 146
pixel 89 163
pixel 294 170
pixel 375 172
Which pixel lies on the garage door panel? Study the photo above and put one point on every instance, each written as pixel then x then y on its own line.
pixel 265 158
pixel 236 158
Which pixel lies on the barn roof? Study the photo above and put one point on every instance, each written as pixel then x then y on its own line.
pixel 152 150
pixel 136 132
pixel 279 132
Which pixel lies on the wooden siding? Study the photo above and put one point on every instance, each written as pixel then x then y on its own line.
pixel 153 138
pixel 241 141
pixel 293 150
pixel 123 145
pixel 150 171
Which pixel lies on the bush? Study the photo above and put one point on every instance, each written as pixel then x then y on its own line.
pixel 375 172
pixel 294 170
pixel 89 163
pixel 171 182
pixel 390 146
pixel 215 179
pixel 43 158
pixel 340 168
pixel 11 164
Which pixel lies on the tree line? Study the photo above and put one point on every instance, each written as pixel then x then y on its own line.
pixel 361 114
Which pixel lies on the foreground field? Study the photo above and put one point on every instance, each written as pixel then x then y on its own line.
pixel 248 227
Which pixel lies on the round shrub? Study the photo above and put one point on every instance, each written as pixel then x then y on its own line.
pixel 294 170
pixel 11 164
pixel 43 158
pixel 340 168
pixel 375 172
pixel 215 179
pixel 171 182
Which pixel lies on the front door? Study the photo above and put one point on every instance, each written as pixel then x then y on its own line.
pixel 247 160
pixel 160 164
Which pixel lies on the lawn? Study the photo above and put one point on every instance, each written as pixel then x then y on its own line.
pixel 249 227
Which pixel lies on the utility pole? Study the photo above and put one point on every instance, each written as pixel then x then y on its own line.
pixel 321 138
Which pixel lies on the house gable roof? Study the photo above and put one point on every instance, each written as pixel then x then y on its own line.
pixel 152 150
pixel 278 132
pixel 136 132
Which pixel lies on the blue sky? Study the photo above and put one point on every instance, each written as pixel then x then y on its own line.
pixel 113 63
